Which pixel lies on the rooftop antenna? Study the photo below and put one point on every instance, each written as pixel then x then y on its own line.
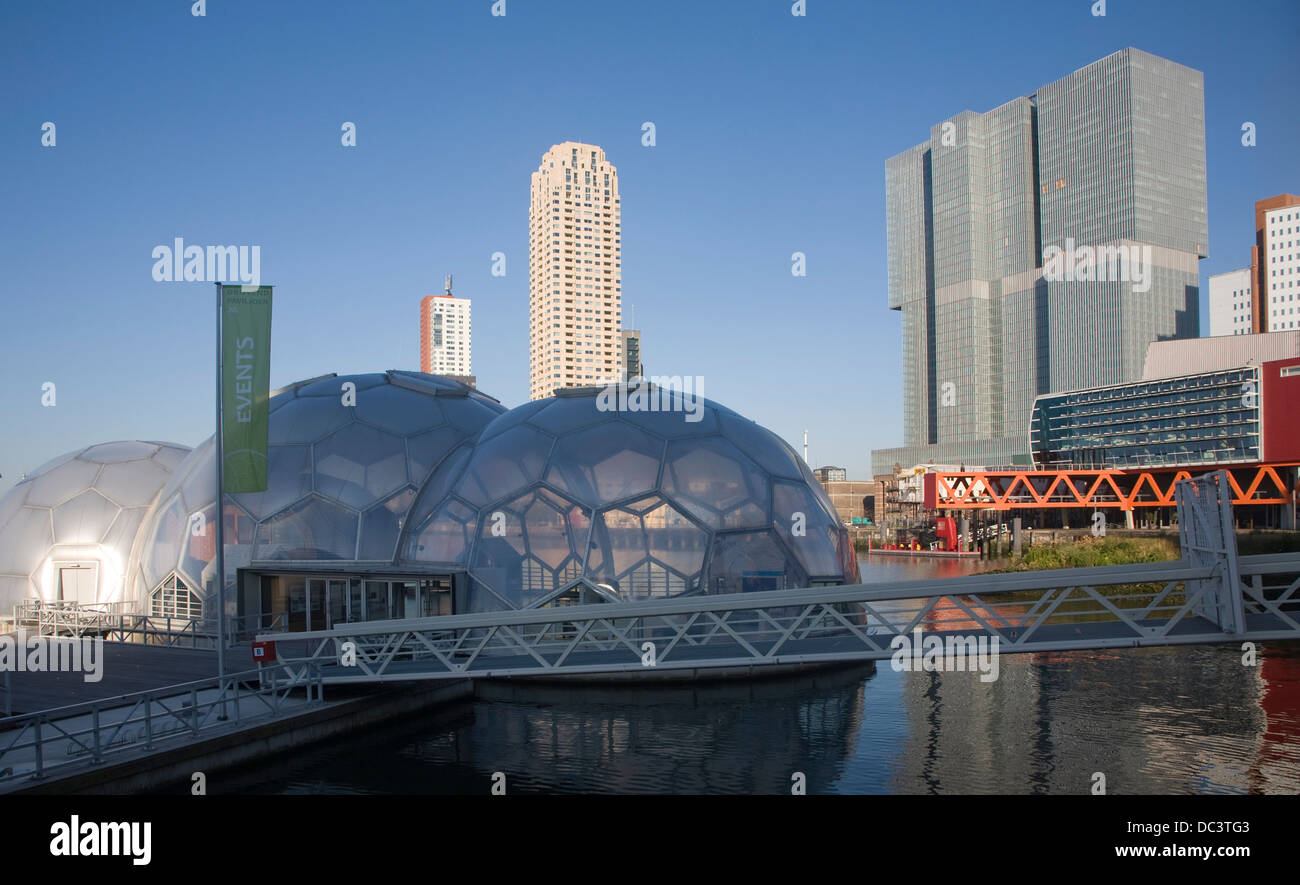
pixel 805 447
pixel 632 321
pixel 448 284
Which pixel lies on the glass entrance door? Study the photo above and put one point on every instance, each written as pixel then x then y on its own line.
pixel 336 593
pixel 315 604
pixel 328 603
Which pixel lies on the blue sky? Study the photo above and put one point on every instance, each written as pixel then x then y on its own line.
pixel 772 133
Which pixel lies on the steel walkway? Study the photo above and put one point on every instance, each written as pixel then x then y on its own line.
pixel 1208 596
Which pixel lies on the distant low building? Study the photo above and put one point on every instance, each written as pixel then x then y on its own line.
pixel 1201 401
pixel 831 474
pixel 856 501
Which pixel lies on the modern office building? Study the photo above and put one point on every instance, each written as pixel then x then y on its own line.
pixel 1277 258
pixel 632 365
pixel 445 340
pixel 575 277
pixel 425 498
pixel 1203 402
pixel 1232 303
pixel 1041 246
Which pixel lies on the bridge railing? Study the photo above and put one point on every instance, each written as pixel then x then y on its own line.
pixel 1144 604
pixel 35 745
pixel 118 622
pixel 1200 598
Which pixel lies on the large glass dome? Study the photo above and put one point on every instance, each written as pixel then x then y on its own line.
pixel 347 456
pixel 561 498
pixel 67 531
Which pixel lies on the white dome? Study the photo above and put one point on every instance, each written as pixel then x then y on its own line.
pixel 68 530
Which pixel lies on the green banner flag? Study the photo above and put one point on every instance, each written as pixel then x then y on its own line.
pixel 245 385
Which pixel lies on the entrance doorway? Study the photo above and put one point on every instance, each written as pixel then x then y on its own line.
pixel 307 602
pixel 76 584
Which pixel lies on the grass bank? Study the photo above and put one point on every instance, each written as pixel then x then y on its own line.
pixel 1091 552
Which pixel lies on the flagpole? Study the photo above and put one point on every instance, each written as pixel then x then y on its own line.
pixel 221 524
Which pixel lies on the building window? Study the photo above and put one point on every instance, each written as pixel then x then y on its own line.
pixel 173 599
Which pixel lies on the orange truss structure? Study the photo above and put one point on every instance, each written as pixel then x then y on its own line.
pixel 1093 489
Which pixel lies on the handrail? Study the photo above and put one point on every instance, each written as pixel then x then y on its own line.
pixel 28 741
pixel 1008 582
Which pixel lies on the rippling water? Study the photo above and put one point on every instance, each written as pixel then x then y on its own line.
pixel 1158 720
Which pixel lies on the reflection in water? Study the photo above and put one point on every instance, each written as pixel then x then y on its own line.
pixel 1189 719
pixel 737 737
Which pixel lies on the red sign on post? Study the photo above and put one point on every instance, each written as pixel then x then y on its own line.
pixel 263 652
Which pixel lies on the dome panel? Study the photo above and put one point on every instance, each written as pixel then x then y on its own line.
pixel 333 386
pixel 27 536
pixel 53 463
pixel 446 536
pixel 686 421
pixel 133 484
pixel 399 411
pixel 314 529
pixel 121 535
pixel 56 486
pixel 530 546
pixel 288 479
pixel 380 526
pixel 114 452
pixel 163 550
pixel 84 519
pixel 504 465
pixel 170 455
pixel 674 540
pixel 306 420
pixel 359 465
pixel 424 451
pixel 560 416
pixel 512 418
pixel 771 452
pixel 709 475
pixel 606 463
pixel 469 414
pixel 746 562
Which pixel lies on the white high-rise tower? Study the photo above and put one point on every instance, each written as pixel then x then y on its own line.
pixel 575 271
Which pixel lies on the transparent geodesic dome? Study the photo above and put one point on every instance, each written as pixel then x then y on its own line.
pixel 340 478
pixel 572 496
pixel 67 530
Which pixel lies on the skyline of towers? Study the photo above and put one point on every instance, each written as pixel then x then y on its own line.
pixel 574 271
pixel 1106 161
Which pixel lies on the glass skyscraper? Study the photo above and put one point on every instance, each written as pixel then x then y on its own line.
pixel 1105 168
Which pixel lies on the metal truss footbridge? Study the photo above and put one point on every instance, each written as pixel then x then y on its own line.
pixel 1209 595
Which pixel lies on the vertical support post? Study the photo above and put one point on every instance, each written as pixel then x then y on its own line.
pixel 94 730
pixel 1015 536
pixel 39 747
pixel 221 525
pixel 1235 614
